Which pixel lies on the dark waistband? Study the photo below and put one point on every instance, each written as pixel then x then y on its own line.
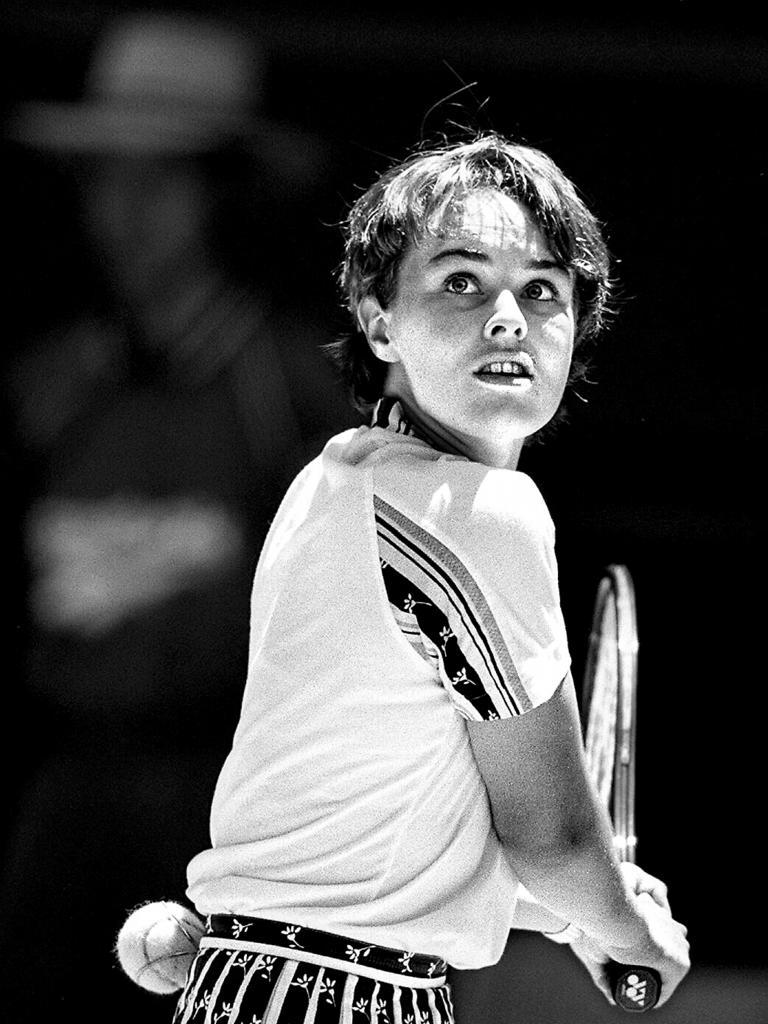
pixel 299 939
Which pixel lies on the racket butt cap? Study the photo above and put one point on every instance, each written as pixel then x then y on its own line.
pixel 635 989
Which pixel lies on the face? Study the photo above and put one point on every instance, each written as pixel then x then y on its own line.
pixel 479 336
pixel 148 217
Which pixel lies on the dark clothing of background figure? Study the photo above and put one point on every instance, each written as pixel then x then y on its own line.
pixel 149 479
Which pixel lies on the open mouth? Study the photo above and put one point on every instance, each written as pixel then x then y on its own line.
pixel 518 369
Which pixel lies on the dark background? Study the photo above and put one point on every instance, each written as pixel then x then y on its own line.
pixel 659 116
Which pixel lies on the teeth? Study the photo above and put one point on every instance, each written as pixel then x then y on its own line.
pixel 515 369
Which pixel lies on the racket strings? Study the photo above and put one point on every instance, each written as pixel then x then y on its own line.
pixel 609 700
pixel 603 698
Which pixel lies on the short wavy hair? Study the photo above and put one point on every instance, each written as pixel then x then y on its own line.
pixel 412 199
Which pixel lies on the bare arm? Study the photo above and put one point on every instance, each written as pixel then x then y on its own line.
pixel 559 840
pixel 545 813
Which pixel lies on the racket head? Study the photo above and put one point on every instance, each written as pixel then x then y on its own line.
pixel 609 703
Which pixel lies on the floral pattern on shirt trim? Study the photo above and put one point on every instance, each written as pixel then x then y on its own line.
pixel 438 641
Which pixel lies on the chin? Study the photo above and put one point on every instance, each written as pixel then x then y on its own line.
pixel 516 429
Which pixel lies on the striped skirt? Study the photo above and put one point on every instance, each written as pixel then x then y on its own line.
pixel 254 971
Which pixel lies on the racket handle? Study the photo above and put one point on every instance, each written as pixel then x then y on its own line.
pixel 635 989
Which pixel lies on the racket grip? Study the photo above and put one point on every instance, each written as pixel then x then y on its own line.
pixel 635 989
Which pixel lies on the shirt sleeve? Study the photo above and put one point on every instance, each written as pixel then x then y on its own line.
pixel 468 563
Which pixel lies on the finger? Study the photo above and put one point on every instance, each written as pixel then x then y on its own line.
pixel 654 902
pixel 594 964
pixel 596 972
pixel 601 983
pixel 667 990
pixel 659 895
pixel 643 882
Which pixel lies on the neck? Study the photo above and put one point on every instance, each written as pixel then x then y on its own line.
pixel 499 455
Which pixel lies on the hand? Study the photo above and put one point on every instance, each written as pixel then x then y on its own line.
pixel 640 881
pixel 594 960
pixel 665 947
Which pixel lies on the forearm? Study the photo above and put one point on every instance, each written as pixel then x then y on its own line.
pixel 531 916
pixel 559 841
pixel 579 883
pixel 553 829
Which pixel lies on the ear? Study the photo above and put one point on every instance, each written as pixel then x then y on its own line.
pixel 374 323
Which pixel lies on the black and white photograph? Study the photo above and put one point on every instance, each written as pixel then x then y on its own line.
pixel 382 421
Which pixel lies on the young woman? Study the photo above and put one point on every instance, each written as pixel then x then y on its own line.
pixel 409 752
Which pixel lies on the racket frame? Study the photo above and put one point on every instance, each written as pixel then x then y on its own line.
pixel 616 587
pixel 614 632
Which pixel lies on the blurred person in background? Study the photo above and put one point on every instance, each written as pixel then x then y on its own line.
pixel 157 428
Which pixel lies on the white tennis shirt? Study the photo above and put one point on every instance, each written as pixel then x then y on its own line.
pixel 400 591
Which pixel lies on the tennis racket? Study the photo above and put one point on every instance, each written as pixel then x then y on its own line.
pixel 609 703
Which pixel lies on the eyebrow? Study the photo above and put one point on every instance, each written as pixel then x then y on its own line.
pixel 478 256
pixel 467 254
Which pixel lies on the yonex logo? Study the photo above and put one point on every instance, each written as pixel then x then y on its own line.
pixel 636 989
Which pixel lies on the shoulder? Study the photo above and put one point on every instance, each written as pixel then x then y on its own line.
pixel 502 497
pixel 464 499
pixel 479 543
pixel 463 503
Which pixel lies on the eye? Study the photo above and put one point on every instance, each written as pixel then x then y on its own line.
pixel 540 291
pixel 462 284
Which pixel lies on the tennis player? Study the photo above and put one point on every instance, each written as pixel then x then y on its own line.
pixel 408 760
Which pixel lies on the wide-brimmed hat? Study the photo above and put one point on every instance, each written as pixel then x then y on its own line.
pixel 162 84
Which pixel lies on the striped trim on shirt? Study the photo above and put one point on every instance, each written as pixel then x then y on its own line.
pixel 428 582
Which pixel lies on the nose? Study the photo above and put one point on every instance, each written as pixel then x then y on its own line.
pixel 507 320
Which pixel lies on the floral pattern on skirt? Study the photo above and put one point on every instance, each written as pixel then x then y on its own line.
pixel 230 984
